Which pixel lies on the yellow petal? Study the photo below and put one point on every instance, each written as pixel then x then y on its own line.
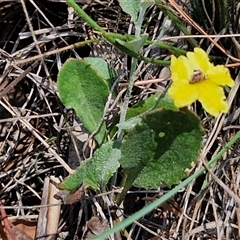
pixel 188 67
pixel 212 98
pixel 199 60
pixel 178 70
pixel 219 75
pixel 183 94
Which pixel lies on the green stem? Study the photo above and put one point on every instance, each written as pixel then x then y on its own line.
pixel 121 195
pixel 171 48
pixel 110 39
pixel 87 18
pixel 168 195
pixel 138 24
pixel 127 183
pixel 129 179
pixel 124 107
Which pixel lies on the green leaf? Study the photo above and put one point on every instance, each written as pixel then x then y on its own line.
pixel 137 148
pixel 135 155
pixel 154 101
pixel 82 88
pixel 131 7
pixel 146 3
pixel 171 142
pixel 96 171
pixel 132 122
pixel 135 44
pixel 103 69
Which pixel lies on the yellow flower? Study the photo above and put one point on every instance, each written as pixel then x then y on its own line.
pixel 195 78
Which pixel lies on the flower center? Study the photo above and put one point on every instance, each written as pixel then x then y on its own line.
pixel 196 77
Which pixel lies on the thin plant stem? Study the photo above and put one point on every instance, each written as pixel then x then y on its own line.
pixel 124 107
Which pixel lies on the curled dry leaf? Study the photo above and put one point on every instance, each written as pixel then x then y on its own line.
pixel 69 197
pixel 95 226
